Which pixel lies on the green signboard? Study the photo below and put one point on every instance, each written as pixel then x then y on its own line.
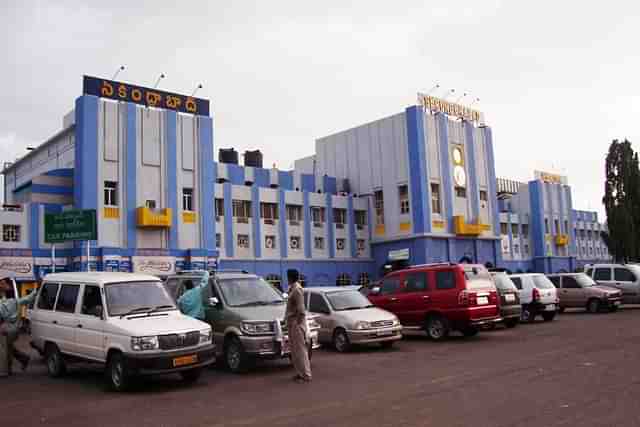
pixel 70 225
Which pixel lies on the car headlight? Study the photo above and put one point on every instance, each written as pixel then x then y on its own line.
pixel 256 328
pixel 313 324
pixel 206 336
pixel 396 321
pixel 144 343
pixel 363 325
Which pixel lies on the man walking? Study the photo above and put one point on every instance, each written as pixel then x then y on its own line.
pixel 190 303
pixel 9 313
pixel 296 325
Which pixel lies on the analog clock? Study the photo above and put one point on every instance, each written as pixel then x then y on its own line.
pixel 459 176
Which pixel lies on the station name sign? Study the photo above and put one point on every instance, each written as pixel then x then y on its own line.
pixel 70 225
pixel 144 96
pixel 437 104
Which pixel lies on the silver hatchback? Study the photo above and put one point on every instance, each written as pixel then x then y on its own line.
pixel 347 318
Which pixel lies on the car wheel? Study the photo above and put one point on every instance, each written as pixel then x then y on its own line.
pixel 117 377
pixel 55 362
pixel 548 317
pixel 511 323
pixel 437 328
pixel 191 376
pixel 234 356
pixel 527 315
pixel 470 331
pixel 593 306
pixel 341 341
pixel 387 344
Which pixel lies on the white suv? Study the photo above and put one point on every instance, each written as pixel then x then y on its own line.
pixel 625 277
pixel 538 296
pixel 125 321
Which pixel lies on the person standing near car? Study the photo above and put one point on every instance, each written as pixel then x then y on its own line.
pixel 296 326
pixel 191 301
pixel 9 314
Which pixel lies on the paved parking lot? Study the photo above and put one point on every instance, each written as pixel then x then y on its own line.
pixel 580 369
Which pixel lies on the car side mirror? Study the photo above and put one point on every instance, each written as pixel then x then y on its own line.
pixel 375 290
pixel 285 295
pixel 214 302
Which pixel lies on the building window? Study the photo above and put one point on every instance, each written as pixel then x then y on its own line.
pixel 546 225
pixel 403 195
pixel 270 242
pixel 317 215
pixel 219 208
pixel 339 217
pixel 341 244
pixel 435 198
pixel 110 193
pixel 526 249
pixel 187 199
pixel 318 243
pixel 516 249
pixel 461 192
pixel 556 225
pixel 514 230
pixel 275 281
pixel 566 226
pixel 504 228
pixel 343 280
pixel 218 240
pixel 151 204
pixel 269 211
pixel 361 245
pixel 363 279
pixel 483 196
pixel 243 241
pixel 360 217
pixel 294 214
pixel 379 205
pixel 242 210
pixel 525 231
pixel 294 242
pixel 10 233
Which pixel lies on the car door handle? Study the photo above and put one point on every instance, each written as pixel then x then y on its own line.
pixel 55 322
pixel 393 299
pixel 426 297
pixel 79 326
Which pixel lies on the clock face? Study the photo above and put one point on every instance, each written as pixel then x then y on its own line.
pixel 457 156
pixel 459 176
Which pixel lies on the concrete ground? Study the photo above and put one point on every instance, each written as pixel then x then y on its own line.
pixel 579 370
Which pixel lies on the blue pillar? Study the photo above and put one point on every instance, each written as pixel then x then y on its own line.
pixel 228 220
pixel 172 176
pixel 446 170
pixel 257 221
pixel 418 182
pixel 474 188
pixel 284 243
pixel 352 228
pixel 491 166
pixel 331 235
pixel 307 224
pixel 207 181
pixel 34 226
pixel 131 168
pixel 85 176
pixel 536 219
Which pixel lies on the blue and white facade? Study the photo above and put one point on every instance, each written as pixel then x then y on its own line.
pixel 412 188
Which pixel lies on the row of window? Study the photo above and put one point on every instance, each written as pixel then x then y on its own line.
pixel 419 282
pixel 10 233
pixel 343 279
pixel 295 242
pixel 504 230
pixel 63 298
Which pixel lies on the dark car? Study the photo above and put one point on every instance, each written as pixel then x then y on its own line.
pixel 510 308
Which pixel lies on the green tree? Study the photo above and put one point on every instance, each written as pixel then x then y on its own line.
pixel 622 202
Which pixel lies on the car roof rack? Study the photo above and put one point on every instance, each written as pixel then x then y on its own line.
pixel 230 271
pixel 433 264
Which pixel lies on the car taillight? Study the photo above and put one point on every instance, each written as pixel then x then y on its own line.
pixel 493 297
pixel 535 295
pixel 467 298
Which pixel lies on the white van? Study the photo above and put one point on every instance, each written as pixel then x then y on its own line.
pixel 128 322
pixel 538 296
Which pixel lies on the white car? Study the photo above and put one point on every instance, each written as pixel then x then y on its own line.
pixel 625 277
pixel 538 296
pixel 127 322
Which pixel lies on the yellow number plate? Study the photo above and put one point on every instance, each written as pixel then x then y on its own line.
pixel 185 360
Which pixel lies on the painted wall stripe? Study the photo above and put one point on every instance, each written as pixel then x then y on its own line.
pixel 172 189
pixel 474 188
pixel 229 243
pixel 536 218
pixel 418 182
pixel 491 165
pixel 445 168
pixel 331 240
pixel 353 244
pixel 207 187
pixel 257 221
pixel 284 239
pixel 307 225
pixel 131 175
pixel 86 150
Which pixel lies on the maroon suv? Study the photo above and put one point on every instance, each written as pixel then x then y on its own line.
pixel 439 298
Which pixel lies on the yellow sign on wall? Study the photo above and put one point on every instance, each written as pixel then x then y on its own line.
pixel 436 104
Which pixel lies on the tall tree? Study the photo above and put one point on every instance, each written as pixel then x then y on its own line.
pixel 622 201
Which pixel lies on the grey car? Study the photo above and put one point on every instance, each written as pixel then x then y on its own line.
pixel 247 317
pixel 510 308
pixel 347 318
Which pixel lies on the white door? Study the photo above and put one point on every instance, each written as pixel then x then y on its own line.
pixel 66 318
pixel 90 338
pixel 43 328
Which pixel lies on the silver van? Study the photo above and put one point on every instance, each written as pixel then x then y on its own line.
pixel 625 277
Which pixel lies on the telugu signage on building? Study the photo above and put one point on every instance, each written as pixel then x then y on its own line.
pixel 16 267
pixel 70 225
pixel 551 178
pixel 144 96
pixel 154 265
pixel 437 104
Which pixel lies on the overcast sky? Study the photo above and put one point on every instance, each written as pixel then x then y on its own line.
pixel 557 80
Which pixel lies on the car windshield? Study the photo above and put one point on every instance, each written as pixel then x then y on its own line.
pixel 347 300
pixel 477 277
pixel 503 282
pixel 584 280
pixel 131 297
pixel 541 282
pixel 244 292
